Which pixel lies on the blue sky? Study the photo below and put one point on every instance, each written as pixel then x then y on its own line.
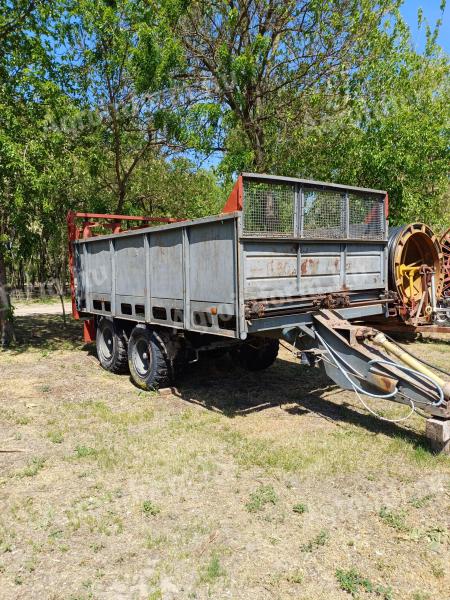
pixel 431 12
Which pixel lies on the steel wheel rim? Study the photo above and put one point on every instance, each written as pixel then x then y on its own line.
pixel 106 343
pixel 142 357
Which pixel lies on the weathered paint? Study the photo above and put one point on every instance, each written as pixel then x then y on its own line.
pixel 199 275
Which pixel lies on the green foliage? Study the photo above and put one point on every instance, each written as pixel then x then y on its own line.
pixel 212 571
pixel 149 508
pixel 265 494
pixel 55 436
pixel 33 467
pixel 395 519
pixel 352 582
pixel 84 451
pixel 112 107
pixel 319 540
pixel 300 508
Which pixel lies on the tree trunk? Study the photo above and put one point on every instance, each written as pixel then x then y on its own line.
pixel 6 325
pixel 121 197
pixel 255 135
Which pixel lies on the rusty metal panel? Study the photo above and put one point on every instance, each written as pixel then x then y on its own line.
pixel 270 269
pixel 365 266
pixel 283 269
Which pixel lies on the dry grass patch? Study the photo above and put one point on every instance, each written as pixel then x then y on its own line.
pixel 246 486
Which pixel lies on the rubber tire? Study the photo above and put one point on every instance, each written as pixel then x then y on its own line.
pixel 154 375
pixel 256 359
pixel 107 333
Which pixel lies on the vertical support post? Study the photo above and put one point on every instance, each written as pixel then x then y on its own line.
pixel 438 432
pixel 113 276
pixel 89 331
pixel 347 216
pixel 72 235
pixel 87 283
pixel 343 265
pixel 186 278
pixel 297 209
pixel 239 262
pixel 301 212
pixel 148 292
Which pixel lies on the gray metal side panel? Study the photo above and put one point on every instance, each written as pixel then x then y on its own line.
pixel 283 269
pixel 182 275
pixel 99 271
pixel 166 264
pixel 212 269
pixel 364 266
pixel 130 266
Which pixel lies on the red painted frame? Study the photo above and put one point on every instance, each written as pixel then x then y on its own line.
pixel 236 198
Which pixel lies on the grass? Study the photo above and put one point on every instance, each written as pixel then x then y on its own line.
pixel 420 502
pixel 244 485
pixel 44 299
pixel 296 577
pixel 316 542
pixel 212 570
pixel 123 418
pixel 150 509
pixel 264 495
pixel 56 437
pixel 352 582
pixel 394 519
pixel 300 508
pixel 84 451
pixel 34 466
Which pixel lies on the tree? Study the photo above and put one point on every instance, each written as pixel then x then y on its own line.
pixel 101 38
pixel 268 64
pixel 18 49
pixel 392 133
pixel 176 189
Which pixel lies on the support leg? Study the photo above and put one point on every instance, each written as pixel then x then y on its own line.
pixel 89 331
pixel 438 432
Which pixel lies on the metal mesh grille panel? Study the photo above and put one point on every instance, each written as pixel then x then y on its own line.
pixel 269 209
pixel 366 218
pixel 323 214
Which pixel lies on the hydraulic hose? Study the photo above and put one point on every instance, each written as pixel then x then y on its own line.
pixel 358 390
pixel 417 358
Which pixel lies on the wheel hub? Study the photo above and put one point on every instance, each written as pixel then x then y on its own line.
pixel 141 358
pixel 106 344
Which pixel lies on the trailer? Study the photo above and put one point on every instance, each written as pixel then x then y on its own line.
pixel 288 258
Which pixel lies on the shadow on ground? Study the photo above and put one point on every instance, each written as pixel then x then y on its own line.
pixel 217 385
pixel 46 332
pixel 296 389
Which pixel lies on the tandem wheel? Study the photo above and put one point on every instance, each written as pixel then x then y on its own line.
pixel 148 365
pixel 111 346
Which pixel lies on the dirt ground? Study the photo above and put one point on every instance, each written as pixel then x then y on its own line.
pixel 51 307
pixel 273 485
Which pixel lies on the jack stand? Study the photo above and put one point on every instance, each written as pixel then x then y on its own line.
pixel 438 432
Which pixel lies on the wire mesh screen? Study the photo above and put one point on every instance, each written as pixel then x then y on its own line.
pixel 366 217
pixel 323 214
pixel 269 209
